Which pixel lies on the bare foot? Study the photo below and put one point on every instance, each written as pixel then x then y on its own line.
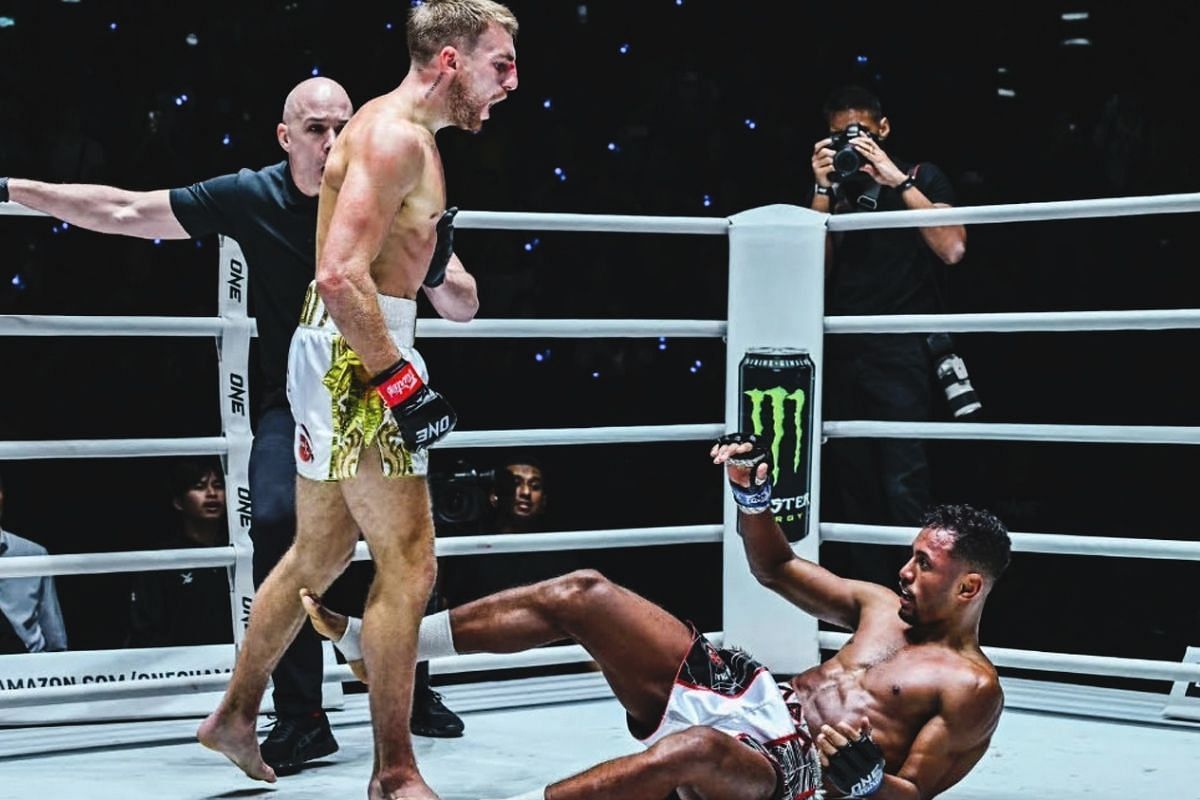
pixel 417 789
pixel 329 624
pixel 238 742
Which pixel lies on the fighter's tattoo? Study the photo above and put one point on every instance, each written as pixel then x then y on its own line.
pixel 436 82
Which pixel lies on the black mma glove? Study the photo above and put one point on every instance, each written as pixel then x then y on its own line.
pixel 423 415
pixel 442 250
pixel 3 190
pixel 755 498
pixel 856 769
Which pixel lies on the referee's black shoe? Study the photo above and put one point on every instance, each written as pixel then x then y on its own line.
pixel 295 740
pixel 430 717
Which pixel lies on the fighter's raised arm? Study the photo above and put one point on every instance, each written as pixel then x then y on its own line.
pixel 810 586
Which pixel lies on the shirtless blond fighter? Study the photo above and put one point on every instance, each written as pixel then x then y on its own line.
pixel 903 710
pixel 364 414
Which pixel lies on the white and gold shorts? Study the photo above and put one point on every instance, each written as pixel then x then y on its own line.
pixel 338 412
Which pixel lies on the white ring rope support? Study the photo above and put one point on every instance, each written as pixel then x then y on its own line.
pixel 1019 212
pixel 1108 666
pixel 1015 432
pixel 35 325
pixel 1019 322
pixel 217 445
pixel 1063 544
pixel 494 544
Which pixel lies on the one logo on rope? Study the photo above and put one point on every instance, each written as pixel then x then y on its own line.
pixel 237 393
pixel 237 275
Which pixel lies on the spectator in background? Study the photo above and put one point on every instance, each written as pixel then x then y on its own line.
pixel 30 617
pixel 519 500
pixel 190 605
pixel 881 481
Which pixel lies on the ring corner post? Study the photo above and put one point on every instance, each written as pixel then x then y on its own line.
pixel 775 337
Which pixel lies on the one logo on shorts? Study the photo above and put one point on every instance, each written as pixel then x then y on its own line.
pixel 304 450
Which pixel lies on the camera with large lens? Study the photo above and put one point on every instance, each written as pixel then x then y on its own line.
pixel 847 160
pixel 951 374
pixel 460 497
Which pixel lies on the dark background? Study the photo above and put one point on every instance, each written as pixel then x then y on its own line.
pixel 1105 119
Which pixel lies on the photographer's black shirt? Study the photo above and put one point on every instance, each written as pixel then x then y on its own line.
pixel 886 271
pixel 276 225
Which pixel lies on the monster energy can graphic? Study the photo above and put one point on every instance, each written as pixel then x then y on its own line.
pixel 775 394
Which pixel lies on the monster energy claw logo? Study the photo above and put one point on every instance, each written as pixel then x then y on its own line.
pixel 778 398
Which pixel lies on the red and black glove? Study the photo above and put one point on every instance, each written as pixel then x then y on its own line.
pixel 423 415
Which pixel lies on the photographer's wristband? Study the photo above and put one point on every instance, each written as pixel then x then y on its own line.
pixel 906 184
pixel 825 191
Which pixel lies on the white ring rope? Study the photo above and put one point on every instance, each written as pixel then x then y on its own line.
pixel 625 434
pixel 218 445
pixel 114 448
pixel 1004 431
pixel 35 325
pixel 122 561
pixel 1137 668
pixel 498 543
pixel 1019 322
pixel 493 544
pixel 1063 544
pixel 1019 212
pixel 594 223
pixel 1109 666
pixel 155 687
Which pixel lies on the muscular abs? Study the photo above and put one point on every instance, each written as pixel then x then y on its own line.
pixel 894 684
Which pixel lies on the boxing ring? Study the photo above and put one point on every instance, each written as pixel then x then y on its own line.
pixel 128 731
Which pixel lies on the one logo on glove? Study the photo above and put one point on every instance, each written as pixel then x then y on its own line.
pixel 435 430
pixel 856 769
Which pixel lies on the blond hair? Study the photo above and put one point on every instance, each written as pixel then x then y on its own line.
pixel 434 24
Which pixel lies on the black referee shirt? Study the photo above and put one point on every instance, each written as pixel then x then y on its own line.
pixel 276 225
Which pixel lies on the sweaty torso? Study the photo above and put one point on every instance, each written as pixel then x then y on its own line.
pixel 897 684
pixel 403 259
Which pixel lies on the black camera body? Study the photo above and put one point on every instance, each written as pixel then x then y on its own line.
pixel 847 160
pixel 460 497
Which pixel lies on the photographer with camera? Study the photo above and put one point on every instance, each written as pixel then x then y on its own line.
pixel 882 377
pixel 518 501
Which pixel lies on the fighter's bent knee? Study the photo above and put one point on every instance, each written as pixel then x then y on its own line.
pixel 578 585
pixel 682 754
